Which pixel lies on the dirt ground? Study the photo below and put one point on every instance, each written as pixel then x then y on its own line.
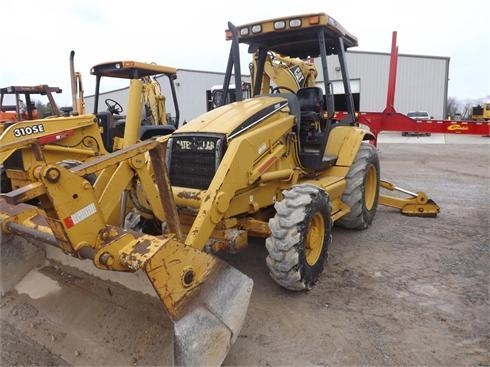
pixel 406 291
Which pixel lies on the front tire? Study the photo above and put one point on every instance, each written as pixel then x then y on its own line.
pixel 301 232
pixel 361 193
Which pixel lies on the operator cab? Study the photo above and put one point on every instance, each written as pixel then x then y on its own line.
pixel 303 37
pixel 141 122
pixel 25 107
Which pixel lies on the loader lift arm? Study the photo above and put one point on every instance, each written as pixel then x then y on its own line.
pixel 204 297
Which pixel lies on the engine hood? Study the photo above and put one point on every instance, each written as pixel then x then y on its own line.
pixel 234 118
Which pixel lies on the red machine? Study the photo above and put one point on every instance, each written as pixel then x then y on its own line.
pixel 390 120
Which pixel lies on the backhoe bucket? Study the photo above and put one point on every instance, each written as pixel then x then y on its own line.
pixel 206 299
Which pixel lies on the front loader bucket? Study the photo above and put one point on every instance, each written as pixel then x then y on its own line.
pixel 206 299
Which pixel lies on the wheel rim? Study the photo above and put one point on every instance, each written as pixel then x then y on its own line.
pixel 314 239
pixel 370 187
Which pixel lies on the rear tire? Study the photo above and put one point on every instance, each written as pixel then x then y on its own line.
pixel 301 232
pixel 362 190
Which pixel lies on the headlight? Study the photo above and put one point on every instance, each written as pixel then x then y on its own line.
pixel 257 28
pixel 280 24
pixel 295 23
pixel 244 31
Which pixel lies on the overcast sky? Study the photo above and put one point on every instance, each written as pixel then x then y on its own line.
pixel 38 35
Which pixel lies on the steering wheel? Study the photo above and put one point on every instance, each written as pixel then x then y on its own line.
pixel 279 87
pixel 113 106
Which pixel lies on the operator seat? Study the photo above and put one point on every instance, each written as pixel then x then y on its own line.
pixel 311 103
pixel 313 129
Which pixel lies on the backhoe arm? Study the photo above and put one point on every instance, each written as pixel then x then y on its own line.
pixel 154 101
pixel 284 71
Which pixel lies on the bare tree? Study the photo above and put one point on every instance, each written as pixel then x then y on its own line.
pixel 453 106
pixel 463 108
pixel 466 110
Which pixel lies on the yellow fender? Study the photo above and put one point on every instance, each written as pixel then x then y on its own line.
pixel 344 142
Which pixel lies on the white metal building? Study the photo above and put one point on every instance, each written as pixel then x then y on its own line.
pixel 422 83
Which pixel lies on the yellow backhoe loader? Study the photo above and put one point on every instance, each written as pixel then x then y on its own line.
pixel 275 165
pixel 80 136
